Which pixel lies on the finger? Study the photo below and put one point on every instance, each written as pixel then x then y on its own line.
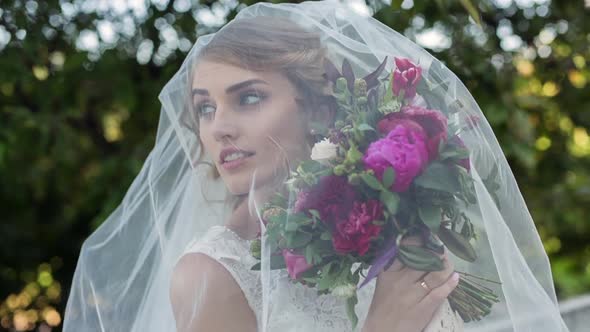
pixel 418 275
pixel 437 278
pixel 396 266
pixel 438 295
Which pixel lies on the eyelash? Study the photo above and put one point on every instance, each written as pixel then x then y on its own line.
pixel 261 97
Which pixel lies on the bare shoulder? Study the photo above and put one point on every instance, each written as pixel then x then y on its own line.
pixel 200 289
pixel 194 267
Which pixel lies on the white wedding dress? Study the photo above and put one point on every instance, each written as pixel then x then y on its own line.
pixel 313 312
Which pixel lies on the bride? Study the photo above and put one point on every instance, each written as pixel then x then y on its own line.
pixel 239 114
pixel 255 87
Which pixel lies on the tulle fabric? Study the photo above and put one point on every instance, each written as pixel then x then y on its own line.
pixel 122 281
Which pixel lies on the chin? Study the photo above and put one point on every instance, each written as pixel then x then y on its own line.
pixel 239 184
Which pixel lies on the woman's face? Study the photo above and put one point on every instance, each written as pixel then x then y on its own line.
pixel 249 122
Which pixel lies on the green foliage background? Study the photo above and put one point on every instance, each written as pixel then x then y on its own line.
pixel 79 110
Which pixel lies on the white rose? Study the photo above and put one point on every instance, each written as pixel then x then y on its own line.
pixel 323 151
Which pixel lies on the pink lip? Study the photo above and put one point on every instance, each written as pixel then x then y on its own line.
pixel 229 165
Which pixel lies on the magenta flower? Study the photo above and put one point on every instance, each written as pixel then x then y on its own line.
pixel 296 264
pixel 403 149
pixel 406 77
pixel 355 233
pixel 433 122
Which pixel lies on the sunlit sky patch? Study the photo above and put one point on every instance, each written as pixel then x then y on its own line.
pixel 87 40
pixel 434 38
pixel 359 6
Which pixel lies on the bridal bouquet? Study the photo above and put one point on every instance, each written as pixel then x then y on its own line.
pixel 389 168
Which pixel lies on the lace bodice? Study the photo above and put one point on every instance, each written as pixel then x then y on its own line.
pixel 298 303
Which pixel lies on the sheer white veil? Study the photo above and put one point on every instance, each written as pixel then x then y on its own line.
pixel 123 275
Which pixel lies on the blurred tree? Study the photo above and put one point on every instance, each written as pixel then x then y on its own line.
pixel 78 112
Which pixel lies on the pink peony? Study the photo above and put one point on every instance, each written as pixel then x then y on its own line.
pixel 332 196
pixel 404 149
pixel 433 122
pixel 296 264
pixel 406 77
pixel 355 233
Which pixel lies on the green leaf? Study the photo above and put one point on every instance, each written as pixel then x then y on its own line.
pixel 388 91
pixel 278 200
pixel 388 177
pixel 419 258
pixel 326 236
pixel 309 166
pixel 327 279
pixel 299 239
pixel 432 243
pixel 390 106
pixel 276 262
pixel 472 10
pixel 278 219
pixel 391 201
pixel 371 181
pixel 467 231
pixel 324 246
pixel 350 304
pixel 353 154
pixel 457 244
pixel 396 4
pixel 292 222
pixel 365 127
pixel 291 225
pixel 314 213
pixel 439 177
pixel 430 216
pixel 309 253
pixel 454 153
pixel 492 184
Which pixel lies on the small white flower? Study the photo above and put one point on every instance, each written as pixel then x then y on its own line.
pixel 344 291
pixel 323 151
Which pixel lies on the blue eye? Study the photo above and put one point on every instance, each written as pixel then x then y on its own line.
pixel 205 110
pixel 250 98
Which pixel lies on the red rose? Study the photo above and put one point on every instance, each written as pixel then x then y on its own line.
pixel 355 233
pixel 406 77
pixel 433 122
pixel 332 197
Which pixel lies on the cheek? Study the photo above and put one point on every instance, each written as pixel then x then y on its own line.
pixel 288 131
pixel 205 140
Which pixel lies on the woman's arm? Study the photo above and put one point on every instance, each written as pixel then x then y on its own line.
pixel 205 297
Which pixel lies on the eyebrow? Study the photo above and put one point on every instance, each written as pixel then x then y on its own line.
pixel 230 89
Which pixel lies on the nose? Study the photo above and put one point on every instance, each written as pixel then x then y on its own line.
pixel 224 125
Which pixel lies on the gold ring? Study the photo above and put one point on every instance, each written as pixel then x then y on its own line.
pixel 425 285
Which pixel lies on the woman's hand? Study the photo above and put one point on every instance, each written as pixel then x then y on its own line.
pixel 405 300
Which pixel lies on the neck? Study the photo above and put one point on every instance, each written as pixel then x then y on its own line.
pixel 244 223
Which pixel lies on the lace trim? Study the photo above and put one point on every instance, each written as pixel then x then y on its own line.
pixel 311 311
